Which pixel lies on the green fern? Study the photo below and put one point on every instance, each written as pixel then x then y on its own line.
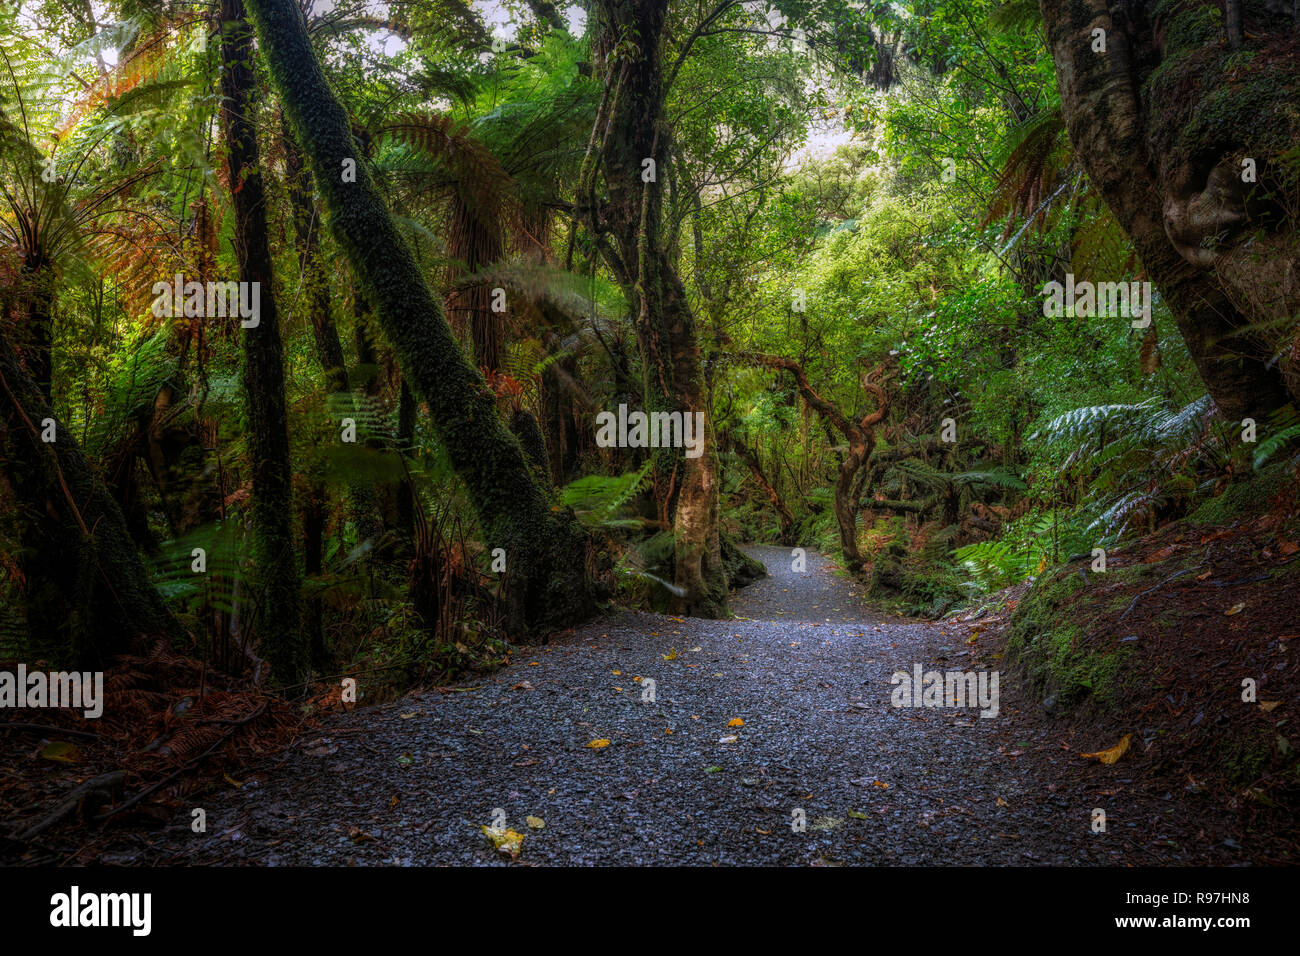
pixel 600 500
pixel 1286 423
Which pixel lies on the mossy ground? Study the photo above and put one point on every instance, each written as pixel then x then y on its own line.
pixel 1159 644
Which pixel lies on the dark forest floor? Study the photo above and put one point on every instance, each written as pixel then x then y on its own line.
pixel 808 672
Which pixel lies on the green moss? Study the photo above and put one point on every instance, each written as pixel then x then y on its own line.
pixel 1044 643
pixel 1189 25
pixel 1242 760
pixel 1243 497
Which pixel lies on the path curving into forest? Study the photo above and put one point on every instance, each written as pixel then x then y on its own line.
pixel 804 666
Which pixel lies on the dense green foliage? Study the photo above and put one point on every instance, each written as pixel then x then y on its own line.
pixel 876 192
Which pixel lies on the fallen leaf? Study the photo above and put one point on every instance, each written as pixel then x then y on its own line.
pixel 1235 609
pixel 61 751
pixel 535 823
pixel 1267 705
pixel 522 685
pixel 1002 803
pixel 1114 753
pixel 506 841
pixel 729 739
pixel 671 655
pixel 735 722
pixel 599 743
pixel 825 823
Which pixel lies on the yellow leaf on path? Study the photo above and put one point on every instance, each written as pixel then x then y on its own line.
pixel 506 841
pixel 671 655
pixel 598 743
pixel 1268 705
pixel 735 722
pixel 617 673
pixel 878 783
pixel 1001 802
pixel 233 782
pixel 535 822
pixel 1235 609
pixel 1114 753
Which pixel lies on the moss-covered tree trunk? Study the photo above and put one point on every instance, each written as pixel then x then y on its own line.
pixel 274 553
pixel 87 593
pixel 545 547
pixel 1165 127
pixel 635 141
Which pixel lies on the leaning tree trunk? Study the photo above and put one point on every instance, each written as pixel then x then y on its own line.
pixel 1189 153
pixel 750 457
pixel 861 436
pixel 545 549
pixel 263 368
pixel 87 593
pixel 635 141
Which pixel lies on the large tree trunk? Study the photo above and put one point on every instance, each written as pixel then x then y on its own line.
pixel 632 130
pixel 263 368
pixel 545 549
pixel 88 595
pixel 1163 127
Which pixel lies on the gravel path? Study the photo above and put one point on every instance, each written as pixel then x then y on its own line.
pixel 803 666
